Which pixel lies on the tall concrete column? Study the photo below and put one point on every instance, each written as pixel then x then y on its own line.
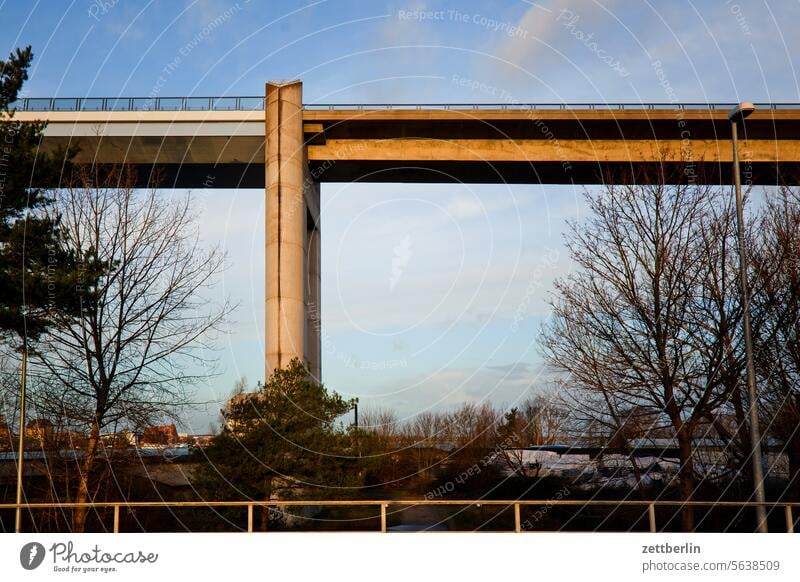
pixel 292 237
pixel 314 311
pixel 286 236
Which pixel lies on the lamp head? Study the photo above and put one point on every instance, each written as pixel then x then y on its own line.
pixel 741 111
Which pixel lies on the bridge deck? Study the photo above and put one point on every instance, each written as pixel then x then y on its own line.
pixel 215 146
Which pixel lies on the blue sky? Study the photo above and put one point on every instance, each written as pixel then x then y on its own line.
pixel 432 295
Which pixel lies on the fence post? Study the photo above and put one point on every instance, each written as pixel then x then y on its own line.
pixel 249 518
pixel 116 518
pixel 789 519
pixel 651 513
pixel 517 522
pixel 383 518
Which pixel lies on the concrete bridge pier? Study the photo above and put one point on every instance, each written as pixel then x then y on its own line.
pixel 292 235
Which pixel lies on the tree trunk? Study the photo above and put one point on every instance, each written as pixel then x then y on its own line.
pixel 747 484
pixel 637 474
pixel 793 453
pixel 82 496
pixel 265 508
pixel 686 477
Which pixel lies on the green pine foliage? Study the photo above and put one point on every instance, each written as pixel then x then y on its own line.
pixel 37 276
pixel 283 441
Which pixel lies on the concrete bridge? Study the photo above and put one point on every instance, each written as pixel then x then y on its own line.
pixel 277 143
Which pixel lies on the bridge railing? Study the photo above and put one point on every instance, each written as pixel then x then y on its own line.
pixel 539 106
pixel 139 104
pixel 786 508
pixel 257 103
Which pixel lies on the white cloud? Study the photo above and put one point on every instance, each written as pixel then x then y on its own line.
pixel 503 385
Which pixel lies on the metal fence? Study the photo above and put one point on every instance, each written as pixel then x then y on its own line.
pixel 257 104
pixel 650 506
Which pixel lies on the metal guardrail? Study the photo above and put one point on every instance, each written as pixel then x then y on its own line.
pixel 139 104
pixel 257 103
pixel 542 106
pixel 385 504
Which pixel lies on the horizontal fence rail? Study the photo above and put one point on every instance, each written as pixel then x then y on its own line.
pixel 650 506
pixel 257 103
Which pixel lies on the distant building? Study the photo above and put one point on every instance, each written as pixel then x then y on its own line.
pixel 6 436
pixel 197 440
pixel 120 440
pixel 40 431
pixel 165 435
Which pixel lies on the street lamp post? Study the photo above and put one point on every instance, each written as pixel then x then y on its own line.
pixel 21 445
pixel 355 423
pixel 736 116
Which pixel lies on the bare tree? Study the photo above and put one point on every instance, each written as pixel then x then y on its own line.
pixel 539 420
pixel 424 435
pixel 776 304
pixel 544 419
pixel 626 329
pixel 383 424
pixel 143 335
pixel 715 329
pixel 471 427
pixel 381 445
